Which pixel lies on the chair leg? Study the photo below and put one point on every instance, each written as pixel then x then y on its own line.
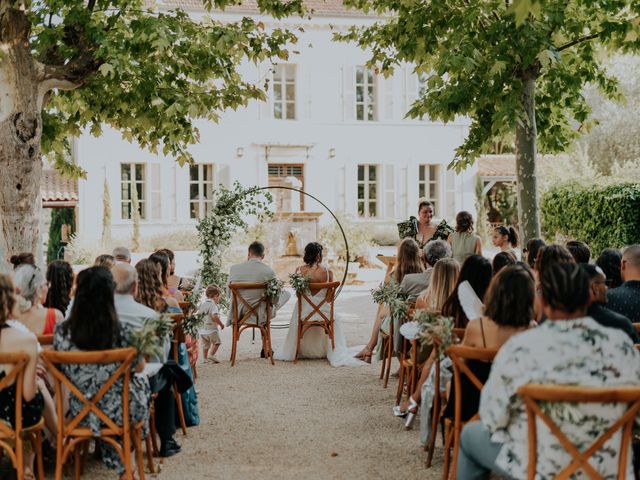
pixel 234 344
pixel 448 437
pixel 152 432
pixel 149 452
pixel 269 350
pixel 456 450
pixel 433 435
pixel 178 397
pixel 137 445
pixel 389 360
pixel 76 462
pixel 383 351
pixel 400 384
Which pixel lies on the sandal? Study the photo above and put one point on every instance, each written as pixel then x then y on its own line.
pixel 365 355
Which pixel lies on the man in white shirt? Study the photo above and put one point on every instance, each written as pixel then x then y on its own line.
pixel 569 348
pixel 134 314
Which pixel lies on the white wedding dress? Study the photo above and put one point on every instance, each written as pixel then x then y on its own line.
pixel 315 342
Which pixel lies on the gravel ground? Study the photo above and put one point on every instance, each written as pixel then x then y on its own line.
pixel 288 421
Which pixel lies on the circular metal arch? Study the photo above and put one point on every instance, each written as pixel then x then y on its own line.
pixel 344 236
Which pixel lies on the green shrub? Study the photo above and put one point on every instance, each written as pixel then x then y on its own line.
pixel 601 215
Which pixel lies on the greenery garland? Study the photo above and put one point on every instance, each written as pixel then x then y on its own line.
pixel 216 231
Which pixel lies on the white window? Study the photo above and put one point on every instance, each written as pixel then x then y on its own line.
pixel 429 184
pixel 284 92
pixel 366 94
pixel 201 186
pixel 368 190
pixel 132 174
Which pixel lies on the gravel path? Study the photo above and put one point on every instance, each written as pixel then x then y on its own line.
pixel 298 421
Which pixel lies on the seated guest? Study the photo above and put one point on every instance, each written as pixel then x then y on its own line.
pixel 134 314
pixel 413 284
pixel 567 349
pixel 22 259
pixel 531 250
pixel 106 260
pixel 162 260
pixel 175 283
pixel 609 261
pixel 626 298
pixel 477 271
pixel 579 251
pixel 32 288
pixel 407 262
pixel 93 325
pixel 463 241
pixel 445 275
pixel 14 340
pixel 121 254
pixel 597 301
pixel 149 293
pixel 547 257
pixel 60 278
pixel 501 260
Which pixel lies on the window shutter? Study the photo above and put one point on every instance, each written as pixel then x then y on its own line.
pixel 387 98
pixel 156 191
pixel 410 89
pixel 348 93
pixel 221 175
pixel 403 211
pixel 265 108
pixel 450 194
pixel 389 191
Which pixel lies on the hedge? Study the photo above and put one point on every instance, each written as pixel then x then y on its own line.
pixel 601 215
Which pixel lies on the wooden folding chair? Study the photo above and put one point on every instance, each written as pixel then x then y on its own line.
pixel 240 324
pixel 177 338
pixel 532 394
pixel 322 321
pixel 459 355
pixel 71 433
pixel 408 359
pixel 15 435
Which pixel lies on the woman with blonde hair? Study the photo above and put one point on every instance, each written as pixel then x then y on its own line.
pixel 443 281
pixel 31 289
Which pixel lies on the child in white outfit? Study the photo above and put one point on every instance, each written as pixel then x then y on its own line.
pixel 209 331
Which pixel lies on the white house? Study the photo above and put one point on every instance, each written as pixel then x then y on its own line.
pixel 331 126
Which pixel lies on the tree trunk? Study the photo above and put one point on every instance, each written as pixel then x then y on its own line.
pixel 527 191
pixel 20 132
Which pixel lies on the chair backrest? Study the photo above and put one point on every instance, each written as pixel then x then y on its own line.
pixel 459 333
pixel 178 336
pixel 459 356
pixel 123 356
pixel 328 299
pixel 637 327
pixel 45 340
pixel 185 306
pixel 249 310
pixel 532 394
pixel 15 375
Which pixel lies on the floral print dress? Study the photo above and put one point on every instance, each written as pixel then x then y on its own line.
pixel 90 378
pixel 563 352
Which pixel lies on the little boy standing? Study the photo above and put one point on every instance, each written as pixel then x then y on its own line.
pixel 209 331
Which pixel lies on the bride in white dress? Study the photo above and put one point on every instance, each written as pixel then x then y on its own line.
pixel 315 342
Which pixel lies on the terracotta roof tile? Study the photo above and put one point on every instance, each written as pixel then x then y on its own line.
pixel 56 188
pixel 505 165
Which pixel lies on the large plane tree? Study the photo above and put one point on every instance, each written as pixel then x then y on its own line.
pixel 510 66
pixel 69 65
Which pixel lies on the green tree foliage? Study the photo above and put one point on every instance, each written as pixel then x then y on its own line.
pixel 59 217
pixel 603 215
pixel 509 66
pixel 148 74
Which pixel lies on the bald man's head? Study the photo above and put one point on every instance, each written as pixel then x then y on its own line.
pixel 126 278
pixel 630 267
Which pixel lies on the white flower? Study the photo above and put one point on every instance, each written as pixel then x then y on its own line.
pixel 216 232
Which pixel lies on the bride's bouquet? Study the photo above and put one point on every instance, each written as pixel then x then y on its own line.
pixel 299 282
pixel 273 290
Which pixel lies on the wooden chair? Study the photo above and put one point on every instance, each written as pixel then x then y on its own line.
pixel 322 321
pixel 17 434
pixel 408 359
pixel 45 340
pixel 532 394
pixel 185 306
pixel 459 356
pixel 71 434
pixel 178 338
pixel 637 327
pixel 251 313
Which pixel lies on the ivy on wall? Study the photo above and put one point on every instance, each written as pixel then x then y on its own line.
pixel 59 217
pixel 601 215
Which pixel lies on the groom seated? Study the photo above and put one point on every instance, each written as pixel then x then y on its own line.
pixel 253 271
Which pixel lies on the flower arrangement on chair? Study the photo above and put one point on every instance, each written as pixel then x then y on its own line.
pixel 299 282
pixel 273 290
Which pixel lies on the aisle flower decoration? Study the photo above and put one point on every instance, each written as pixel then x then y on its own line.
pixel 273 290
pixel 146 339
pixel 391 295
pixel 192 323
pixel 299 282
pixel 432 325
pixel 163 326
